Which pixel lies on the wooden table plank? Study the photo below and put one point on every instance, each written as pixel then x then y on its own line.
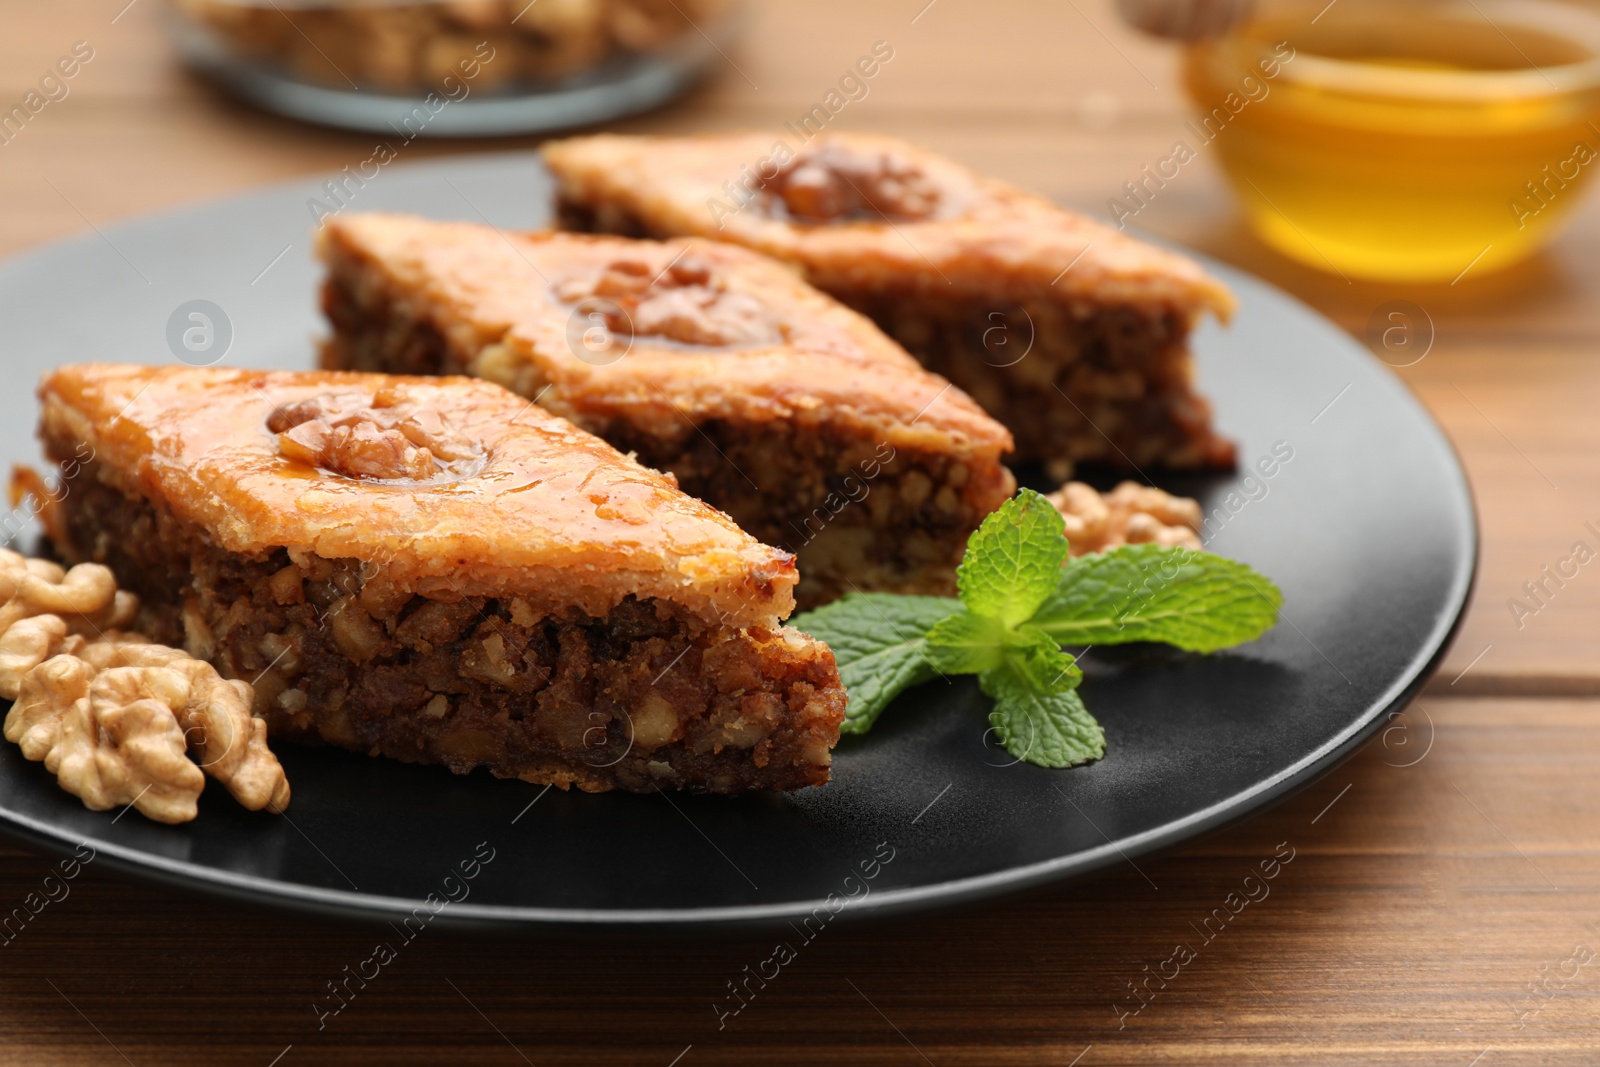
pixel 1419 903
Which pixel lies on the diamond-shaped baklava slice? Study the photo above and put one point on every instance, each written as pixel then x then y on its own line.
pixel 763 396
pixel 436 570
pixel 1070 332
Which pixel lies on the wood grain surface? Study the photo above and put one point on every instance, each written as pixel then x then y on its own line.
pixel 1437 910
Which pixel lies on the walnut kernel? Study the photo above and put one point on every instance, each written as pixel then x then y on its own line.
pixel 112 715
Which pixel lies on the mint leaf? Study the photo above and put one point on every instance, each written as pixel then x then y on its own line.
pixel 966 644
pixel 1021 600
pixel 878 643
pixel 1048 728
pixel 1038 658
pixel 1013 560
pixel 1194 600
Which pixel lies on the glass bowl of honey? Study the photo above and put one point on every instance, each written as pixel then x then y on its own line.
pixel 1403 141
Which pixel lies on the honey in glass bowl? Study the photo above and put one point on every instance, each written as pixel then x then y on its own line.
pixel 1404 141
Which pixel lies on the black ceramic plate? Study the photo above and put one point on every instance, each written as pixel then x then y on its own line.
pixel 1366 524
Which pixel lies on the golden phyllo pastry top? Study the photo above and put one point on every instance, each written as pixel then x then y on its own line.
pixel 454 486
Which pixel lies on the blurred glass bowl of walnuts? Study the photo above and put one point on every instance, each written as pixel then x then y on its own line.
pixel 454 68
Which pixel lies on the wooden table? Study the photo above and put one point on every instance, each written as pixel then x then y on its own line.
pixel 1437 912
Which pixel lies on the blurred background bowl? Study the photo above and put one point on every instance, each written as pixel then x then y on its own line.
pixel 454 68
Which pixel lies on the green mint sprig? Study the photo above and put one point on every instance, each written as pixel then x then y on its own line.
pixel 1023 596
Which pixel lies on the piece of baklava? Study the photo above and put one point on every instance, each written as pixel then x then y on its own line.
pixel 770 400
pixel 1070 332
pixel 436 570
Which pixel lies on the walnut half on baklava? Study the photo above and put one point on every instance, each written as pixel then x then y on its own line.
pixel 1070 332
pixel 436 570
pixel 771 401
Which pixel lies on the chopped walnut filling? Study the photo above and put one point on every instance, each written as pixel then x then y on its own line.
pixel 112 714
pixel 687 302
pixel 834 183
pixel 379 437
pixel 1130 514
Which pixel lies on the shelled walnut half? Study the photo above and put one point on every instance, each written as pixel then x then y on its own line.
pixel 113 715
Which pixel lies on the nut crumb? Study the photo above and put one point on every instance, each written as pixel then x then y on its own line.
pixel 1130 514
